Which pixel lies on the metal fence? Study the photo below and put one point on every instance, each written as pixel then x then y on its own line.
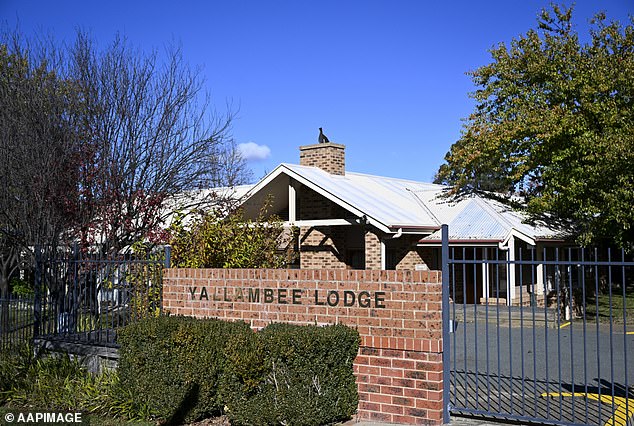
pixel 16 320
pixel 85 298
pixel 541 335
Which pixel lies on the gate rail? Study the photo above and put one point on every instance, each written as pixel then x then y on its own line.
pixel 558 352
pixel 16 320
pixel 85 298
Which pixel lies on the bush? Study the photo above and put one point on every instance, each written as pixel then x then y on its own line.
pixel 20 287
pixel 221 239
pixel 171 366
pixel 54 382
pixel 180 369
pixel 14 365
pixel 289 374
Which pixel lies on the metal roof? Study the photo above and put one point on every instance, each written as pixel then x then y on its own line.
pixel 482 219
pixel 393 203
pixel 389 201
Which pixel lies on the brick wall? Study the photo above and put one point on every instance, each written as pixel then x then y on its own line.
pixel 330 157
pixel 315 206
pixel 324 246
pixel 372 251
pixel 321 247
pixel 397 313
pixel 416 256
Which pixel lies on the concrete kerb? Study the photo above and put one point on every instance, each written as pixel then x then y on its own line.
pixel 455 421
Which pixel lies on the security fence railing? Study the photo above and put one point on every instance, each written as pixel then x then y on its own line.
pixel 85 297
pixel 546 337
pixel 16 320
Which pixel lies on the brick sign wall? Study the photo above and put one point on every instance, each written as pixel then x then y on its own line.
pixel 397 313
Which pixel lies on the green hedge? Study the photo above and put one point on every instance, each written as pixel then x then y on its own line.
pixel 180 369
pixel 291 375
pixel 171 366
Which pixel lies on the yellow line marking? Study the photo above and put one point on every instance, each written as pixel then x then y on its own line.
pixel 629 332
pixel 624 410
pixel 566 324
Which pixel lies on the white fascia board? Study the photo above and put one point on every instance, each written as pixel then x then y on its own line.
pixel 519 235
pixel 321 222
pixel 265 181
pixel 321 191
pixel 404 230
pixel 459 244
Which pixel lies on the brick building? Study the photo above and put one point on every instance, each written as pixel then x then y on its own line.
pixel 350 220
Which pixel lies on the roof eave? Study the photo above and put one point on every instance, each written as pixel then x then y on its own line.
pixel 414 229
pixel 428 242
pixel 282 168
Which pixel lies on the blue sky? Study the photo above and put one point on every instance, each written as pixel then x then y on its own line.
pixel 385 78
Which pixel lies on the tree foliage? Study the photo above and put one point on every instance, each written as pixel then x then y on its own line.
pixel 97 142
pixel 216 239
pixel 39 153
pixel 554 122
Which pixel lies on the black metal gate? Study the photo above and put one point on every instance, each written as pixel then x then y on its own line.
pixel 16 320
pixel 539 334
pixel 83 297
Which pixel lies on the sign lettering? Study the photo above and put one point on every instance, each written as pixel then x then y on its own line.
pixel 296 296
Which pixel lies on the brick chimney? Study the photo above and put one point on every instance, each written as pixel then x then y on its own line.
pixel 330 157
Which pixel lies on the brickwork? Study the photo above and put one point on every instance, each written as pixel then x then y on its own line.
pixel 410 260
pixel 315 206
pixel 416 256
pixel 397 314
pixel 321 247
pixel 372 251
pixel 327 156
pixel 324 246
pixel 406 254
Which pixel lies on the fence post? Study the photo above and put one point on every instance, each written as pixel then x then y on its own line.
pixel 73 297
pixel 168 256
pixel 37 302
pixel 446 358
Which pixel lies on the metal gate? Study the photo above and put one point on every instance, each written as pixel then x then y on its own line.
pixel 542 334
pixel 16 320
pixel 84 298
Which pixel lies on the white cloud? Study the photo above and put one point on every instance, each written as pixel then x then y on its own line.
pixel 251 151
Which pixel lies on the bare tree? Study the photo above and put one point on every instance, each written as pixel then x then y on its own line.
pixel 151 135
pixel 230 168
pixel 95 142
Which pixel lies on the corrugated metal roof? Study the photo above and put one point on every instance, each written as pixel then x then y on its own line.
pixel 399 203
pixel 477 218
pixel 473 222
pixel 386 200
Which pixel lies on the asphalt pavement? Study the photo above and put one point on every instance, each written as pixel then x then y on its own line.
pixel 574 373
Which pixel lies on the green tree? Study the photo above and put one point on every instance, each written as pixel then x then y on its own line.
pixel 554 122
pixel 219 240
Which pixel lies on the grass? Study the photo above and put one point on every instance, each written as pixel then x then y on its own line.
pixel 614 310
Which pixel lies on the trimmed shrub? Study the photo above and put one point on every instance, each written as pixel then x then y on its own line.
pixel 292 375
pixel 181 369
pixel 170 366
